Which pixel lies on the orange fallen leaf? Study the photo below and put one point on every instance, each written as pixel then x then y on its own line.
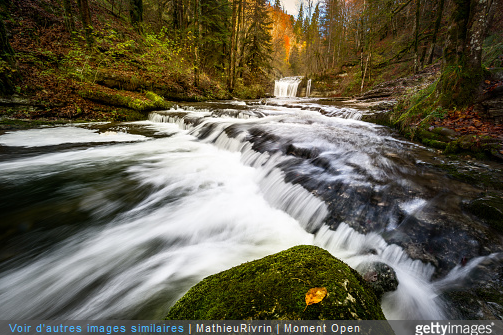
pixel 315 295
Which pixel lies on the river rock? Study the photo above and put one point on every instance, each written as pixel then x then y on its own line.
pixel 449 133
pixel 489 208
pixel 275 287
pixel 478 292
pixel 380 276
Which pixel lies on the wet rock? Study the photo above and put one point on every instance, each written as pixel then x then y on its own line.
pixel 378 117
pixel 275 287
pixel 489 208
pixel 448 133
pixel 381 92
pixel 490 104
pixel 381 277
pixel 385 105
pixel 476 289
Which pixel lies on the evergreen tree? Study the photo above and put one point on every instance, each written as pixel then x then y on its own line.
pixel 215 33
pixel 295 64
pixel 298 27
pixel 277 5
pixel 258 42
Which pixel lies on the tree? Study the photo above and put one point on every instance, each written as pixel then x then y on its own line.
pixel 462 70
pixel 85 15
pixel 298 27
pixel 68 16
pixel 258 44
pixel 231 68
pixel 136 14
pixel 7 61
pixel 277 4
pixel 438 20
pixel 214 33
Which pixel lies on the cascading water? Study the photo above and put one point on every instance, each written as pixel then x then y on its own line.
pixel 148 209
pixel 287 87
pixel 308 88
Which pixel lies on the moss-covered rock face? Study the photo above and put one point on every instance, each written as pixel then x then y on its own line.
pixel 275 287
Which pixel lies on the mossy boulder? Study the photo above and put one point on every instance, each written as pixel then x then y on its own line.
pixel 275 287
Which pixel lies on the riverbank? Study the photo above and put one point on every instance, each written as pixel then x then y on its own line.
pixel 473 132
pixel 54 76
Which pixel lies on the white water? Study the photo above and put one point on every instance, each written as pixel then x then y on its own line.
pixel 211 204
pixel 308 88
pixel 287 87
pixel 206 215
pixel 416 297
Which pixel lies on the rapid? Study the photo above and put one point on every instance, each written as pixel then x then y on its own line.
pixel 119 220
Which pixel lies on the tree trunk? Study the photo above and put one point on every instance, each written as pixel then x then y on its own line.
pixel 136 14
pixel 6 55
pixel 85 16
pixel 69 22
pixel 196 42
pixel 232 54
pixel 438 20
pixel 416 37
pixel 462 70
pixel 482 13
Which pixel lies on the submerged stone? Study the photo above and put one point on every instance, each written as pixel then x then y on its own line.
pixel 275 287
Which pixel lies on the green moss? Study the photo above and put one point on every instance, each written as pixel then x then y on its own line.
pixel 458 85
pixel 152 101
pixel 275 286
pixel 452 148
pixel 127 115
pixel 434 143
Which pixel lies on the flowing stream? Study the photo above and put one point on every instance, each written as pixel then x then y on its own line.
pixel 119 220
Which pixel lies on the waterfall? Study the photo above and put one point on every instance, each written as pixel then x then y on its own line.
pixel 287 87
pixel 308 88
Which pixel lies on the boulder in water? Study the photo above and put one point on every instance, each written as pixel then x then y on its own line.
pixel 381 277
pixel 275 287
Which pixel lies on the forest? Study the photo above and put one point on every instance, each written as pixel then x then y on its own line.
pixel 115 59
pixel 144 157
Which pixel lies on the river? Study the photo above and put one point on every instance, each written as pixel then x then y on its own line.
pixel 119 220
